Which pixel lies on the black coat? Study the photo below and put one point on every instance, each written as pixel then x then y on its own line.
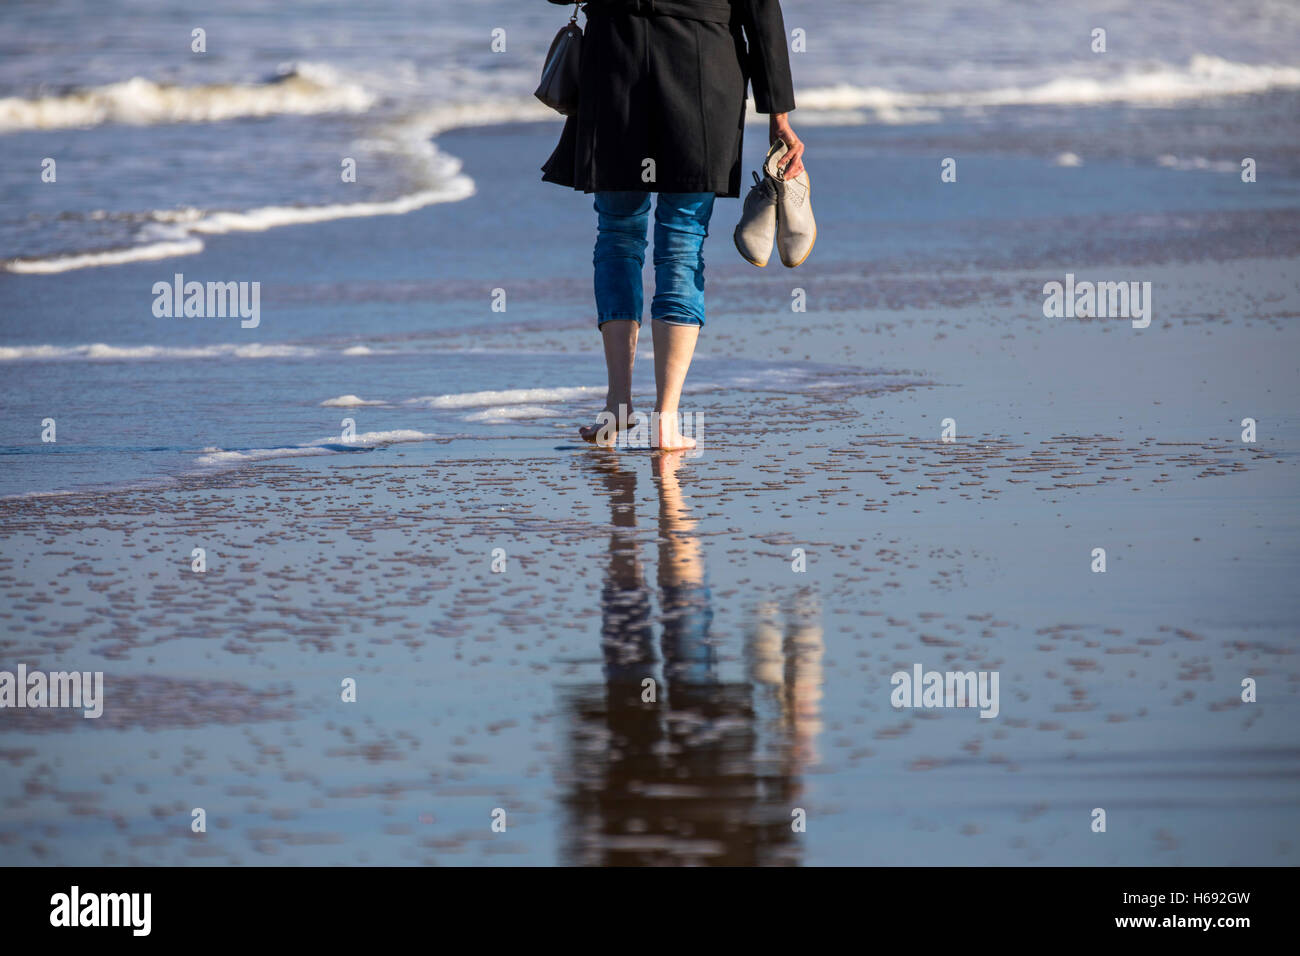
pixel 664 80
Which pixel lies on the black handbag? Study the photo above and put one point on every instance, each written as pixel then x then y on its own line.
pixel 559 86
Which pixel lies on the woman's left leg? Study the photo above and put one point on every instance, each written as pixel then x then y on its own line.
pixel 677 310
pixel 621 219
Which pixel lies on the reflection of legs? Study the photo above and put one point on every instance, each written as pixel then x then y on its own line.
pixel 622 219
pixel 619 746
pixel 626 638
pixel 688 656
pixel 677 310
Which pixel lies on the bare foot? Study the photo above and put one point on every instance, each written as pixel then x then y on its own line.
pixel 670 436
pixel 605 431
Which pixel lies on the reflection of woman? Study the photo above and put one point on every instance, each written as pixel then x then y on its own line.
pixel 661 110
pixel 678 777
pixel 688 657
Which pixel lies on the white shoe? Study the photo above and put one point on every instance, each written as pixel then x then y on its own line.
pixel 796 230
pixel 756 230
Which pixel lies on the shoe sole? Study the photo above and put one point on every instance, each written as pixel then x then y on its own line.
pixel 795 265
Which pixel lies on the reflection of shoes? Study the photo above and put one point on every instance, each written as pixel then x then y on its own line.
pixel 796 230
pixel 757 227
pixel 766 665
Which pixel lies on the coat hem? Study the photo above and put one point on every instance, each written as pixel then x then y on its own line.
pixel 640 187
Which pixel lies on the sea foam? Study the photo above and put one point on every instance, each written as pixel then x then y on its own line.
pixel 307 88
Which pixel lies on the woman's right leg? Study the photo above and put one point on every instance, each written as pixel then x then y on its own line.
pixel 677 311
pixel 622 219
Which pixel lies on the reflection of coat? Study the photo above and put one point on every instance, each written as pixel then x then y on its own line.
pixel 664 80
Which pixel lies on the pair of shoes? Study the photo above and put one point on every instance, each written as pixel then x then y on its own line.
pixel 777 209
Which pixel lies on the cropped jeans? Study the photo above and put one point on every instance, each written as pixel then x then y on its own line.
pixel 681 225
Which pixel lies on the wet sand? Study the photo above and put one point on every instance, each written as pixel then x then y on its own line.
pixel 522 690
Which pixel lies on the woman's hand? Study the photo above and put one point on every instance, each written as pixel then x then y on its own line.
pixel 778 127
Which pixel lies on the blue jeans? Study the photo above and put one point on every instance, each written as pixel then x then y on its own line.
pixel 681 225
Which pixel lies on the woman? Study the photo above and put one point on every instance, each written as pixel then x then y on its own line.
pixel 662 110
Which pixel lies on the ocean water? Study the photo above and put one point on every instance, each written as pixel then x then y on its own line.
pixel 169 161
pixel 161 147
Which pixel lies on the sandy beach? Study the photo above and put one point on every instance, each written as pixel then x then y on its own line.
pixel 498 592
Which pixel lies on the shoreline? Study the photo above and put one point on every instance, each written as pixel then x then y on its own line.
pixel 177 233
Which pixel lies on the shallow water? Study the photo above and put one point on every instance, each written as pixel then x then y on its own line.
pixel 349 313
